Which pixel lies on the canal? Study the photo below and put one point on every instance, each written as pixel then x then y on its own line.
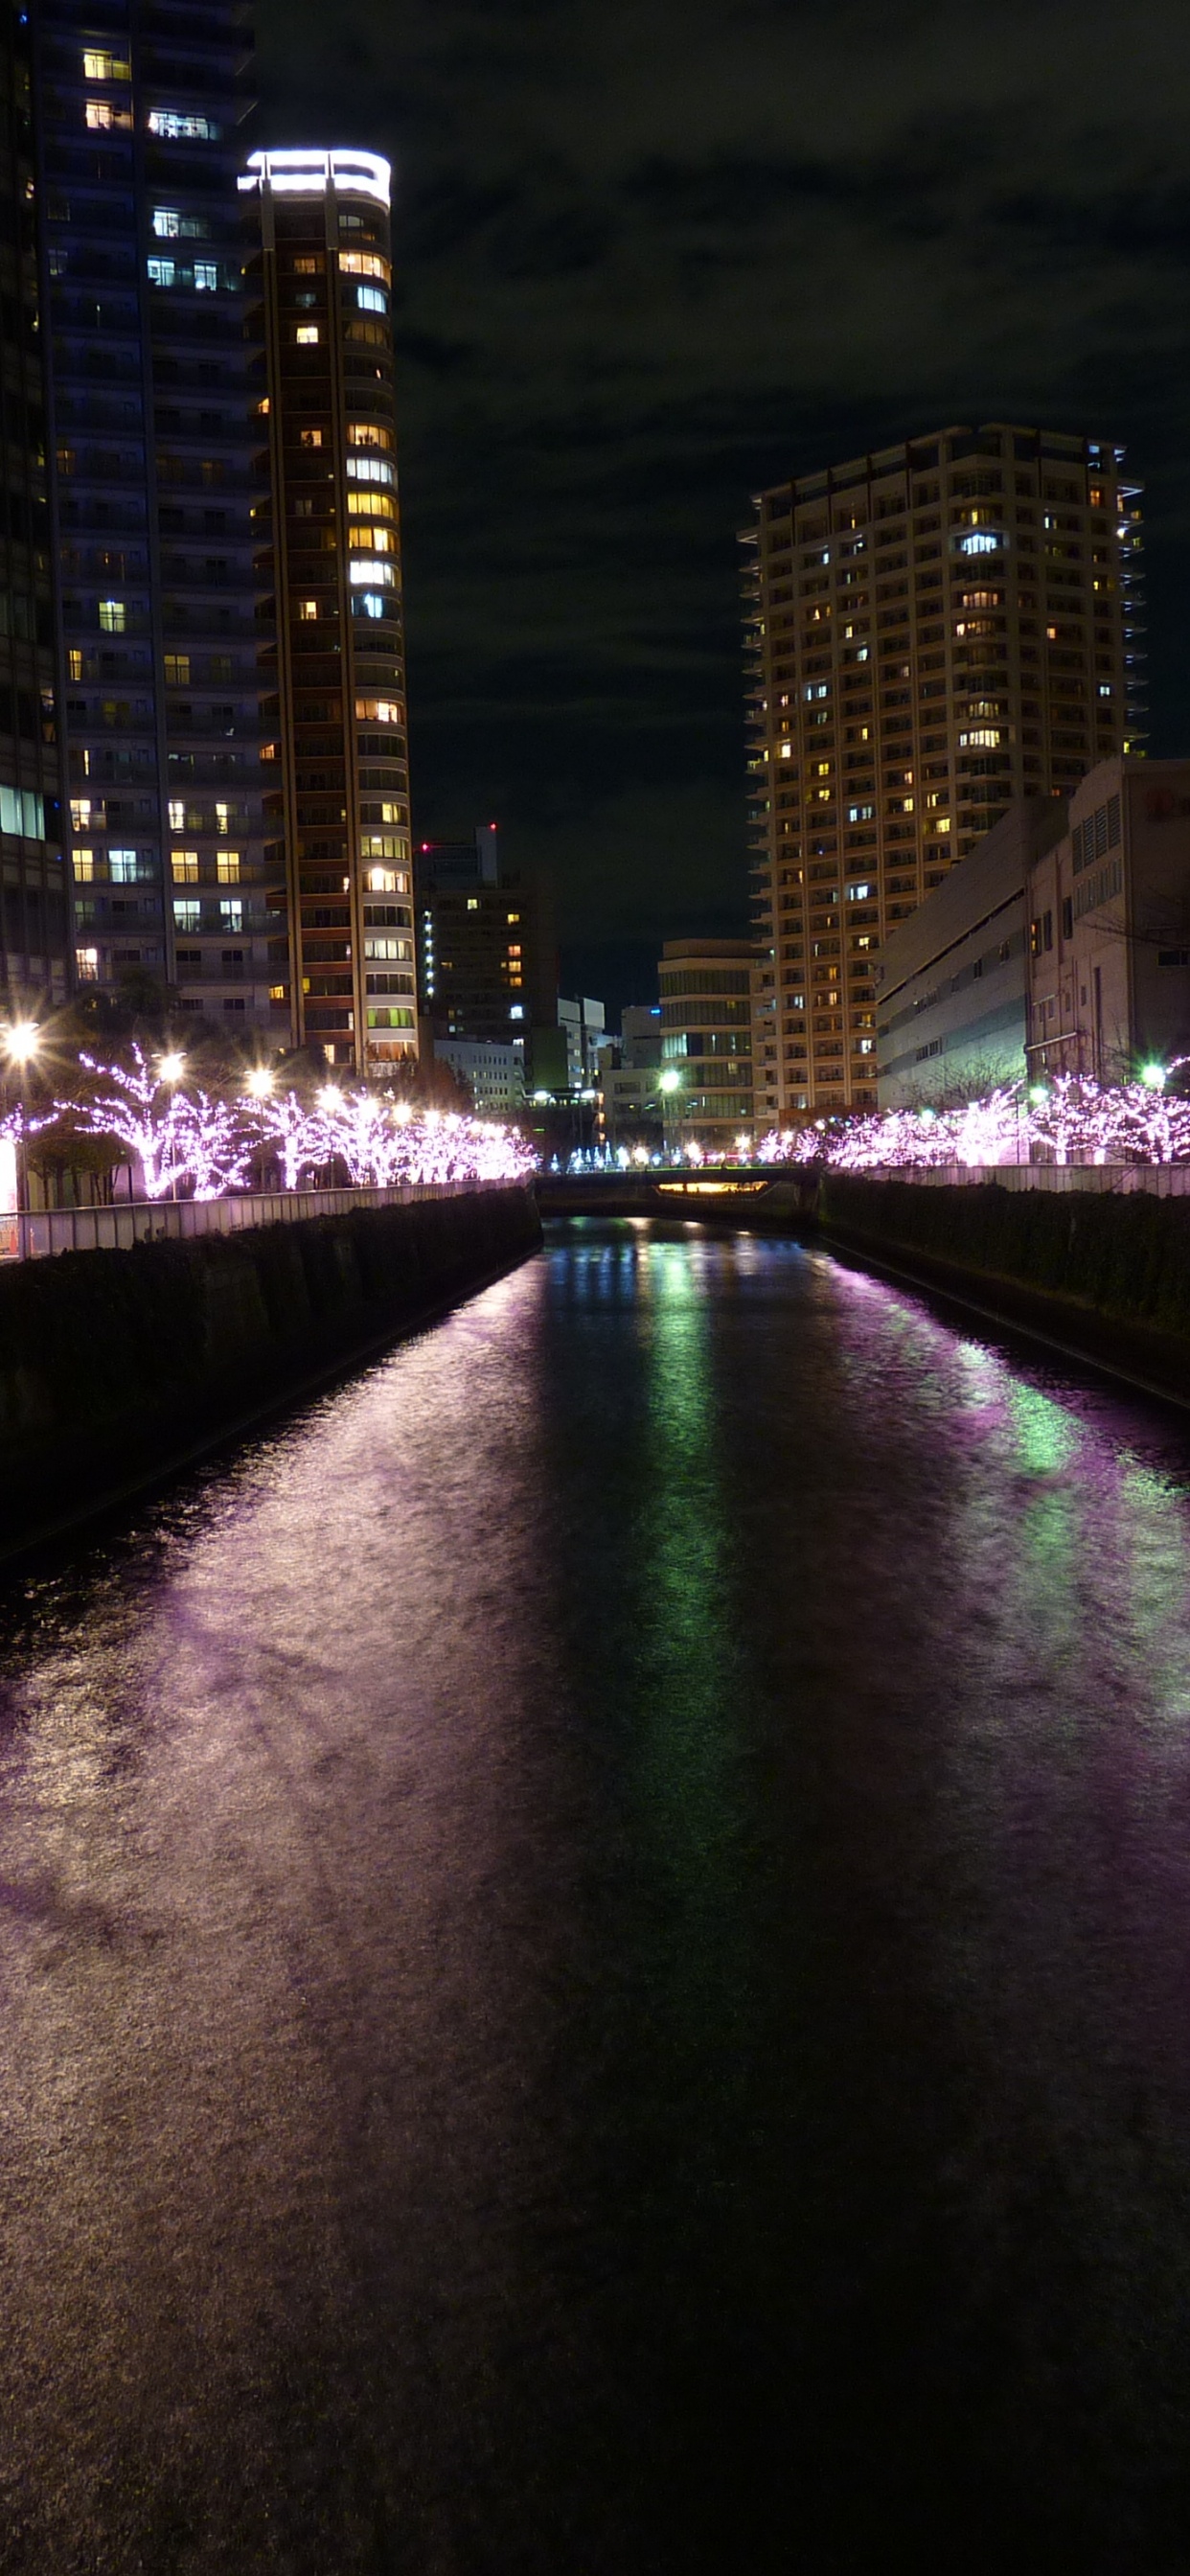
pixel 596 1959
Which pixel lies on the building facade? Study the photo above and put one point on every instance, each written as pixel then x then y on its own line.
pixel 139 114
pixel 930 631
pixel 487 952
pixel 952 981
pixel 494 1074
pixel 706 1041
pixel 336 752
pixel 34 911
pixel 1108 946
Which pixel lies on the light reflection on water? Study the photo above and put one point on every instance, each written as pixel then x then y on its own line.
pixel 594 1951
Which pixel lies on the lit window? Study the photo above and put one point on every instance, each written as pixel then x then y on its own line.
pixel 982 738
pixel 312 438
pixel 177 670
pixel 860 813
pixel 786 751
pixel 74 663
pixel 306 335
pixel 184 864
pixel 1105 688
pixel 368 433
pixel 177 814
pixel 473 903
pixel 377 541
pixel 106 67
pixel 103 118
pixel 379 710
pixel 364 263
pixel 86 964
pixel 167 223
pixel 182 129
pixel 227 863
pixel 370 602
pixel 371 505
pixel 307 266
pixel 307 608
pixel 222 817
pixel 371 299
pixel 981 541
pixel 162 272
pixel 80 813
pixel 516 1011
pixel 187 914
pixel 231 916
pixel 122 866
pixel 206 275
pixel 370 469
pixel 368 571
pixel 382 881
pixel 84 867
pixel 112 616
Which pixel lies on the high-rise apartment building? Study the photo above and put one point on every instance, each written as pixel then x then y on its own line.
pixel 931 630
pixel 343 952
pixel 487 949
pixel 139 109
pixel 34 919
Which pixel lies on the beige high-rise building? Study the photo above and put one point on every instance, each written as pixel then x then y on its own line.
pixel 330 556
pixel 931 631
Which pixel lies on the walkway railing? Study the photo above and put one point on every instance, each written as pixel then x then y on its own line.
pixel 116 1229
pixel 1160 1180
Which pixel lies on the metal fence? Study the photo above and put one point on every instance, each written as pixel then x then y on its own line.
pixel 116 1229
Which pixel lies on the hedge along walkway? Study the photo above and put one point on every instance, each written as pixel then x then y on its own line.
pixel 1105 1278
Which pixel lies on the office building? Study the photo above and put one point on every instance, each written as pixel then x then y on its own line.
pixel 494 1074
pixel 951 981
pixel 34 915
pixel 487 953
pixel 1108 950
pixel 139 113
pixel 583 1023
pixel 706 1041
pixel 343 962
pixel 931 631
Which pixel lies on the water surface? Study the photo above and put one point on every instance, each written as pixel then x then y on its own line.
pixel 596 1959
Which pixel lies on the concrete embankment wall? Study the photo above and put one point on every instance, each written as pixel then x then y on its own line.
pixel 114 1366
pixel 1106 1277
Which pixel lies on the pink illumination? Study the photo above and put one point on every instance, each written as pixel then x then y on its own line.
pixel 1069 1120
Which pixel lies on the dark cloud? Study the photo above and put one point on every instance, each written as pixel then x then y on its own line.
pixel 656 253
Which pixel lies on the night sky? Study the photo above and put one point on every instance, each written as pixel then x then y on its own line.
pixel 654 254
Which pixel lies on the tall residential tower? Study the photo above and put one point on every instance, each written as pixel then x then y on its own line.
pixel 930 631
pixel 34 918
pixel 343 929
pixel 139 105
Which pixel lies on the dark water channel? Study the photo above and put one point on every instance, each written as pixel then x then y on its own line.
pixel 596 1960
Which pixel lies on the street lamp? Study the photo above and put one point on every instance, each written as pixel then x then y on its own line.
pixel 669 1083
pixel 21 1040
pixel 259 1083
pixel 172 1065
pixel 1153 1077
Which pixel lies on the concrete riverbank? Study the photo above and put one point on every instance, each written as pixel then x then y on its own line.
pixel 1103 1277
pixel 116 1367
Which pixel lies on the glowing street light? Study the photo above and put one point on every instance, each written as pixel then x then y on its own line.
pixel 22 1039
pixel 670 1080
pixel 1153 1077
pixel 330 1098
pixel 259 1083
pixel 172 1065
